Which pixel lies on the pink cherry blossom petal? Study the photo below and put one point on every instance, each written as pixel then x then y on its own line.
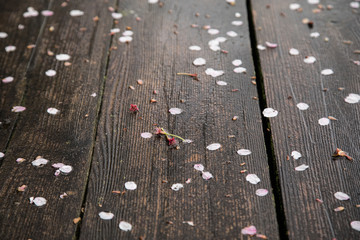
pixel 355 5
pixel 130 185
pixel 7 79
pixel 302 106
pixel 271 45
pixel 2 155
pixel 324 121
pixel 214 73
pixel 18 109
pixel 352 98
pixel 116 15
pixel 106 215
pixel 125 226
pixel 10 48
pixel 251 230
pixel 261 192
pixel 207 175
pixel 199 167
pixel 199 62
pixel 47 13
pixel 39 201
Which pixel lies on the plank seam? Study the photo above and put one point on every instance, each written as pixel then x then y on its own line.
pixel 273 168
pixel 96 126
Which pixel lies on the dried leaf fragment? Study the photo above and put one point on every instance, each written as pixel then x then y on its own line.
pixel 76 220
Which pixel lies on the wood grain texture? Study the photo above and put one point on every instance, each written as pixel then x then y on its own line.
pixel 288 81
pixel 66 137
pixel 220 207
pixel 16 63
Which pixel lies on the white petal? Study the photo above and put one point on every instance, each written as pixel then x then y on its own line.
pixel 115 30
pixel 237 14
pixel 237 23
pixel 214 73
pixel 261 47
pixel 128 33
pixel 187 141
pixel 341 196
pixel 146 135
pixel 39 162
pixel 231 34
pixel 125 39
pixel 252 178
pixel 62 57
pixel 355 5
pixel 152 1
pixel 293 52
pixel 199 167
pixel 76 13
pixel 18 109
pixel 130 185
pixel 66 169
pixel 213 31
pixel 327 72
pixel 302 167
pixel 207 175
pixel 189 222
pixel 221 83
pixel 53 111
pixel 302 106
pixel 244 152
pixel 324 121
pixel 294 6
pixel 177 186
pixel 270 112
pixel 39 201
pixel 47 13
pixel 106 215
pixel 175 111
pixel 3 35
pixel 313 1
pixel 309 59
pixel 10 48
pixel 194 48
pixel 296 155
pixel 236 62
pixel 2 155
pixel 50 73
pixel 116 15
pixel 261 192
pixel 315 35
pixel 58 165
pixel 125 226
pixel 199 62
pixel 214 146
pixel 239 70
pixel 355 225
pixel 352 98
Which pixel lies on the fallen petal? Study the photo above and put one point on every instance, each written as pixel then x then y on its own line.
pixel 341 196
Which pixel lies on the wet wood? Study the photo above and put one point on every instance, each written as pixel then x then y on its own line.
pixel 66 137
pixel 289 81
pixel 219 208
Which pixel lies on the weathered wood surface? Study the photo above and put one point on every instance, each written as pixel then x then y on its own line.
pixel 219 208
pixel 66 137
pixel 15 64
pixel 288 81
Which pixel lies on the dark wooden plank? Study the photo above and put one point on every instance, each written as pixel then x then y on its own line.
pixel 289 81
pixel 220 207
pixel 15 63
pixel 67 137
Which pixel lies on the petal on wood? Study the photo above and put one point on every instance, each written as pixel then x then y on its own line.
pixel 106 215
pixel 66 169
pixel 302 106
pixel 207 175
pixel 243 152
pixel 309 59
pixel 251 230
pixel 341 196
pixel 146 135
pixel 293 52
pixel 239 70
pixel 18 109
pixel 130 185
pixel 199 62
pixel 252 178
pixel 355 225
pixel 221 83
pixel 7 79
pixel 261 192
pixel 53 111
pixel 39 201
pixel 214 146
pixel 39 162
pixel 327 72
pixel 236 62
pixel 296 155
pixel 177 186
pixel 62 57
pixel 324 121
pixel 270 112
pixel 76 13
pixel 125 226
pixel 301 168
pixel 175 111
pixel 352 98
pixel 199 167
pixel 194 48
